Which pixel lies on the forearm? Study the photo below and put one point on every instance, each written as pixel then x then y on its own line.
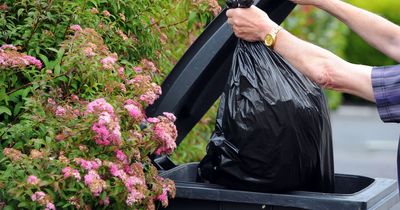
pixel 325 68
pixel 377 31
pixel 321 66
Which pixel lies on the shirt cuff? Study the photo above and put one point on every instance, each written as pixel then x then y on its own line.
pixel 385 84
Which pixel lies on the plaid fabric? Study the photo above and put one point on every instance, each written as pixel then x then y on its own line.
pixel 386 86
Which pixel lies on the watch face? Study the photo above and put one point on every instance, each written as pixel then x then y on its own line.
pixel 269 40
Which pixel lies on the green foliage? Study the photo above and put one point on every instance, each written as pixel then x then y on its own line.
pixel 14 91
pixel 155 30
pixel 357 50
pixel 66 131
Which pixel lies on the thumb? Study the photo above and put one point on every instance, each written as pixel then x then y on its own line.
pixel 231 12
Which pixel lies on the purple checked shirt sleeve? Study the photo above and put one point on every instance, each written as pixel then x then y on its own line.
pixel 386 86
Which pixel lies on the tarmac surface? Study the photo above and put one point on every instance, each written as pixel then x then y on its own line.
pixel 363 144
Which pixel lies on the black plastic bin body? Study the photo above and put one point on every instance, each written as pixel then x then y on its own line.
pixel 191 89
pixel 351 192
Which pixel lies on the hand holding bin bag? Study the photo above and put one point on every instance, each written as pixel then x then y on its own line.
pixel 273 131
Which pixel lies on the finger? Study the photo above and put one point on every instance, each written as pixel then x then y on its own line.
pixel 230 13
pixel 236 31
pixel 230 21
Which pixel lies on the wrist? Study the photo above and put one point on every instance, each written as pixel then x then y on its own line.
pixel 266 28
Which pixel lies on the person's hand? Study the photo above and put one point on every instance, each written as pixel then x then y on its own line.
pixel 251 24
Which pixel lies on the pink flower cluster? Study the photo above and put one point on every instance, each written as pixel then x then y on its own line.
pixel 163 197
pixel 12 154
pixel 36 154
pixel 99 105
pixel 94 182
pixel 38 196
pixel 121 156
pixel 214 7
pixel 168 187
pixel 140 80
pixel 60 111
pixel 89 164
pixel 138 69
pixel 148 65
pixel 50 206
pixel 89 50
pixel 109 61
pixel 151 91
pixel 135 110
pixel 151 95
pixel 66 112
pixel 94 10
pixel 3 7
pixel 133 197
pixel 10 58
pixel 69 172
pixel 32 180
pixel 122 35
pixel 165 133
pixel 132 177
pixel 43 199
pixel 121 72
pixel 8 47
pixel 106 13
pixel 75 28
pixel 107 127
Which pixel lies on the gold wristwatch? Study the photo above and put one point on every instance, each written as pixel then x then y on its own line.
pixel 270 38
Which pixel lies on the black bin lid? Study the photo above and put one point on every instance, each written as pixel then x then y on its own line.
pixel 199 77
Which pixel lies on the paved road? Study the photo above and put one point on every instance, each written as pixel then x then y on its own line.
pixel 363 145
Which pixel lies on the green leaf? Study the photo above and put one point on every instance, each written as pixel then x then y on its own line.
pixel 16 95
pixel 63 78
pixel 19 145
pixel 23 204
pixel 57 69
pixel 191 19
pixel 5 110
pixel 48 140
pixel 20 11
pixel 66 205
pixel 8 208
pixel 44 59
pixel 3 95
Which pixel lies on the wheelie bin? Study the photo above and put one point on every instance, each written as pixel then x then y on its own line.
pixel 189 91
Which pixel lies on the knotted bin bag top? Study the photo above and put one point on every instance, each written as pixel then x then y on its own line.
pixel 273 131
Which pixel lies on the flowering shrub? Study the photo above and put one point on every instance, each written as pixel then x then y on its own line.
pixel 93 152
pixel 15 68
pixel 79 137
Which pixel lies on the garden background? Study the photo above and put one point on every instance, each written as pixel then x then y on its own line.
pixel 143 36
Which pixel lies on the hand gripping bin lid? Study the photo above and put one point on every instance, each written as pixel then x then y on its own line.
pixel 190 90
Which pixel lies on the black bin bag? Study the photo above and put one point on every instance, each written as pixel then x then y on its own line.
pixel 273 131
